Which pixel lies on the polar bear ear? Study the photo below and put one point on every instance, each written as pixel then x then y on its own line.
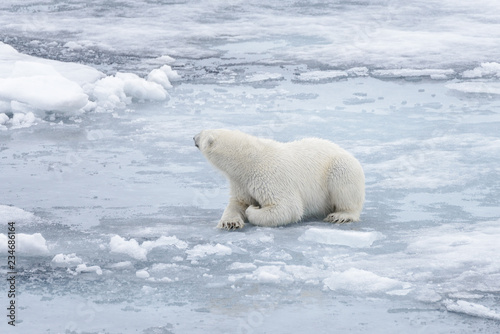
pixel 210 141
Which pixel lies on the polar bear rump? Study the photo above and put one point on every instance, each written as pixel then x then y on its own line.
pixel 273 183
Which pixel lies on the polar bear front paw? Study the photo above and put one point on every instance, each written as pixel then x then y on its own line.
pixel 231 224
pixel 341 218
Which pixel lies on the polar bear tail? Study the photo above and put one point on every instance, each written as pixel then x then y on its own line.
pixel 346 185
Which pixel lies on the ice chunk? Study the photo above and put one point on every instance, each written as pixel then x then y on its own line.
pixel 353 239
pixel 50 85
pixel 13 214
pixel 160 77
pixel 485 70
pixel 121 265
pixel 148 290
pixel 4 119
pixel 263 76
pixel 320 76
pixel 437 74
pixel 269 274
pixel 117 91
pixel 164 76
pixel 165 59
pixel 31 244
pixel 82 268
pixel 142 273
pixel 242 266
pixel 455 246
pixel 73 46
pixel 478 87
pixel 164 241
pixel 42 87
pixel 139 252
pixel 62 260
pixel 130 247
pixel 20 120
pixel 200 251
pixel 307 274
pixel 360 282
pixel 473 309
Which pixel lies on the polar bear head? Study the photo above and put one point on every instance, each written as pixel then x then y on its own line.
pixel 225 149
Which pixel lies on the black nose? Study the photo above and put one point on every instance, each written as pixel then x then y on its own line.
pixel 195 141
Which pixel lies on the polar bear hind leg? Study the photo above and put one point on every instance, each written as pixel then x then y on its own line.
pixel 347 192
pixel 273 215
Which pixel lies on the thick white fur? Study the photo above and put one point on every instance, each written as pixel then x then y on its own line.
pixel 273 183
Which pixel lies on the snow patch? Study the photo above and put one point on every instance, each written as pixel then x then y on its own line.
pixel 353 239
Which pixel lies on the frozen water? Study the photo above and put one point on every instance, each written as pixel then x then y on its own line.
pixel 115 208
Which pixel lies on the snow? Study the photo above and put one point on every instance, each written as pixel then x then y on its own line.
pixel 116 210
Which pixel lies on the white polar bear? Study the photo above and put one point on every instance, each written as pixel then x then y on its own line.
pixel 273 183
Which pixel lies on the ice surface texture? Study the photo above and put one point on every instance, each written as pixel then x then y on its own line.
pixel 115 208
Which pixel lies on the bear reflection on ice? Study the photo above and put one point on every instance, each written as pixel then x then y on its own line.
pixel 274 183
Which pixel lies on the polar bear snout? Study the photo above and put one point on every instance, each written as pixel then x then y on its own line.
pixel 204 140
pixel 197 140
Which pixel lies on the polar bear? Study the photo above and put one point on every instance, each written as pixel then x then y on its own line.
pixel 274 183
